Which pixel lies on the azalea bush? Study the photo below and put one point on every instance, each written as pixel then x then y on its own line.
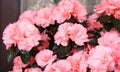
pixel 65 38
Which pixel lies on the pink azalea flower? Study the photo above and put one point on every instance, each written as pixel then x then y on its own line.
pixel 16 69
pixel 111 39
pixel 100 59
pixel 22 33
pixel 75 32
pixel 78 34
pixel 8 35
pixel 66 8
pixel 44 17
pixel 18 65
pixel 18 62
pixel 45 57
pixel 59 66
pixel 107 7
pixel 29 15
pixel 62 35
pixel 33 70
pixel 60 15
pixel 93 23
pixel 29 36
pixel 79 11
pixel 78 61
pixel 63 11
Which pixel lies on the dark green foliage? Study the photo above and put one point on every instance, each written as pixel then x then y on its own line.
pixel 62 51
pixel 106 21
pixel 34 51
pixel 25 56
pixel 94 41
pixel 94 38
pixel 117 25
pixel 12 53
pixel 109 22
pixel 34 65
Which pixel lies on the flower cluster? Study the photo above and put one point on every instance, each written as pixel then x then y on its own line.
pixel 63 39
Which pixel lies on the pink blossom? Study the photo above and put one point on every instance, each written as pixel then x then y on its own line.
pixel 16 69
pixel 93 23
pixel 8 35
pixel 75 32
pixel 111 39
pixel 29 36
pixel 60 15
pixel 62 35
pixel 44 17
pixel 33 70
pixel 22 33
pixel 18 65
pixel 18 62
pixel 78 61
pixel 67 8
pixel 45 41
pixel 78 34
pixel 79 11
pixel 59 66
pixel 100 59
pixel 63 11
pixel 28 15
pixel 107 7
pixel 45 57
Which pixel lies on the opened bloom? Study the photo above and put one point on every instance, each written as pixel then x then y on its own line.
pixel 78 34
pixel 59 66
pixel 44 17
pixel 45 57
pixel 113 41
pixel 78 61
pixel 25 37
pixel 107 7
pixel 100 59
pixel 18 64
pixel 63 33
pixel 29 15
pixel 68 8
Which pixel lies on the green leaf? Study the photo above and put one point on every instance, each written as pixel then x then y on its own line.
pixel 108 26
pixel 79 48
pixel 94 41
pixel 62 51
pixel 34 51
pixel 106 21
pixel 12 53
pixel 54 27
pixel 117 25
pixel 34 65
pixel 25 56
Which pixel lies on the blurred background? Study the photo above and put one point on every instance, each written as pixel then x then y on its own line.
pixel 10 11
